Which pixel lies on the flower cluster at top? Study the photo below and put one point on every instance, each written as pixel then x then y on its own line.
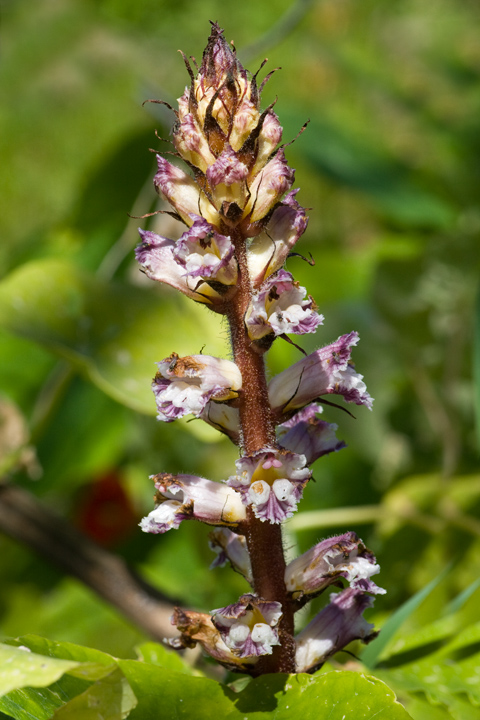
pixel 241 220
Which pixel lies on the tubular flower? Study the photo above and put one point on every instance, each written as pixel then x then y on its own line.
pixel 333 628
pixel 307 435
pixel 196 627
pixel 205 254
pixel 272 482
pixel 344 556
pixel 231 547
pixel 248 626
pixel 269 250
pixel 185 497
pixel 223 418
pixel 323 372
pixel 156 255
pixel 278 307
pixel 185 385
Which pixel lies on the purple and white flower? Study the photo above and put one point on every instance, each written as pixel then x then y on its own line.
pixel 323 372
pixel 333 628
pixel 205 253
pixel 248 627
pixel 191 143
pixel 185 385
pixel 231 547
pixel 272 482
pixel 156 255
pixel 307 435
pixel 226 178
pixel 343 556
pixel 186 497
pixel 279 307
pixel 268 251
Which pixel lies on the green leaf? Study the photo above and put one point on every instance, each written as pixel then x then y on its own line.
pixel 21 667
pixel 111 697
pixel 156 654
pixel 336 696
pixel 107 330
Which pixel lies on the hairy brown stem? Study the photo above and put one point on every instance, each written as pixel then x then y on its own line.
pixel 257 424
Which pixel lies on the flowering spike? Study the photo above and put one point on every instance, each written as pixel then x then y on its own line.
pixel 243 221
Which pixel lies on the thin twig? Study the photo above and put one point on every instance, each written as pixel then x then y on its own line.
pixel 25 519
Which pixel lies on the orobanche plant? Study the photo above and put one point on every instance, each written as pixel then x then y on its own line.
pixel 241 221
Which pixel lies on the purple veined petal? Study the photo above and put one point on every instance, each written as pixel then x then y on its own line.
pixel 323 372
pixel 185 385
pixel 183 193
pixel 343 556
pixel 204 253
pixel 248 627
pixel 156 256
pixel 268 251
pixel 334 628
pixel 231 547
pixel 196 628
pixel 184 497
pixel 307 435
pixel 272 482
pixel 280 307
pixel 268 186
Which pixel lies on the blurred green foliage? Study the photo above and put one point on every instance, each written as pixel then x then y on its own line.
pixel 389 166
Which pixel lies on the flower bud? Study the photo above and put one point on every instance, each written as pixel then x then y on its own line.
pixel 333 628
pixel 248 627
pixel 185 385
pixel 272 482
pixel 185 497
pixel 325 371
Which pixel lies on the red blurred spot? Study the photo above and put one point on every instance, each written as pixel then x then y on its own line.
pixel 105 512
